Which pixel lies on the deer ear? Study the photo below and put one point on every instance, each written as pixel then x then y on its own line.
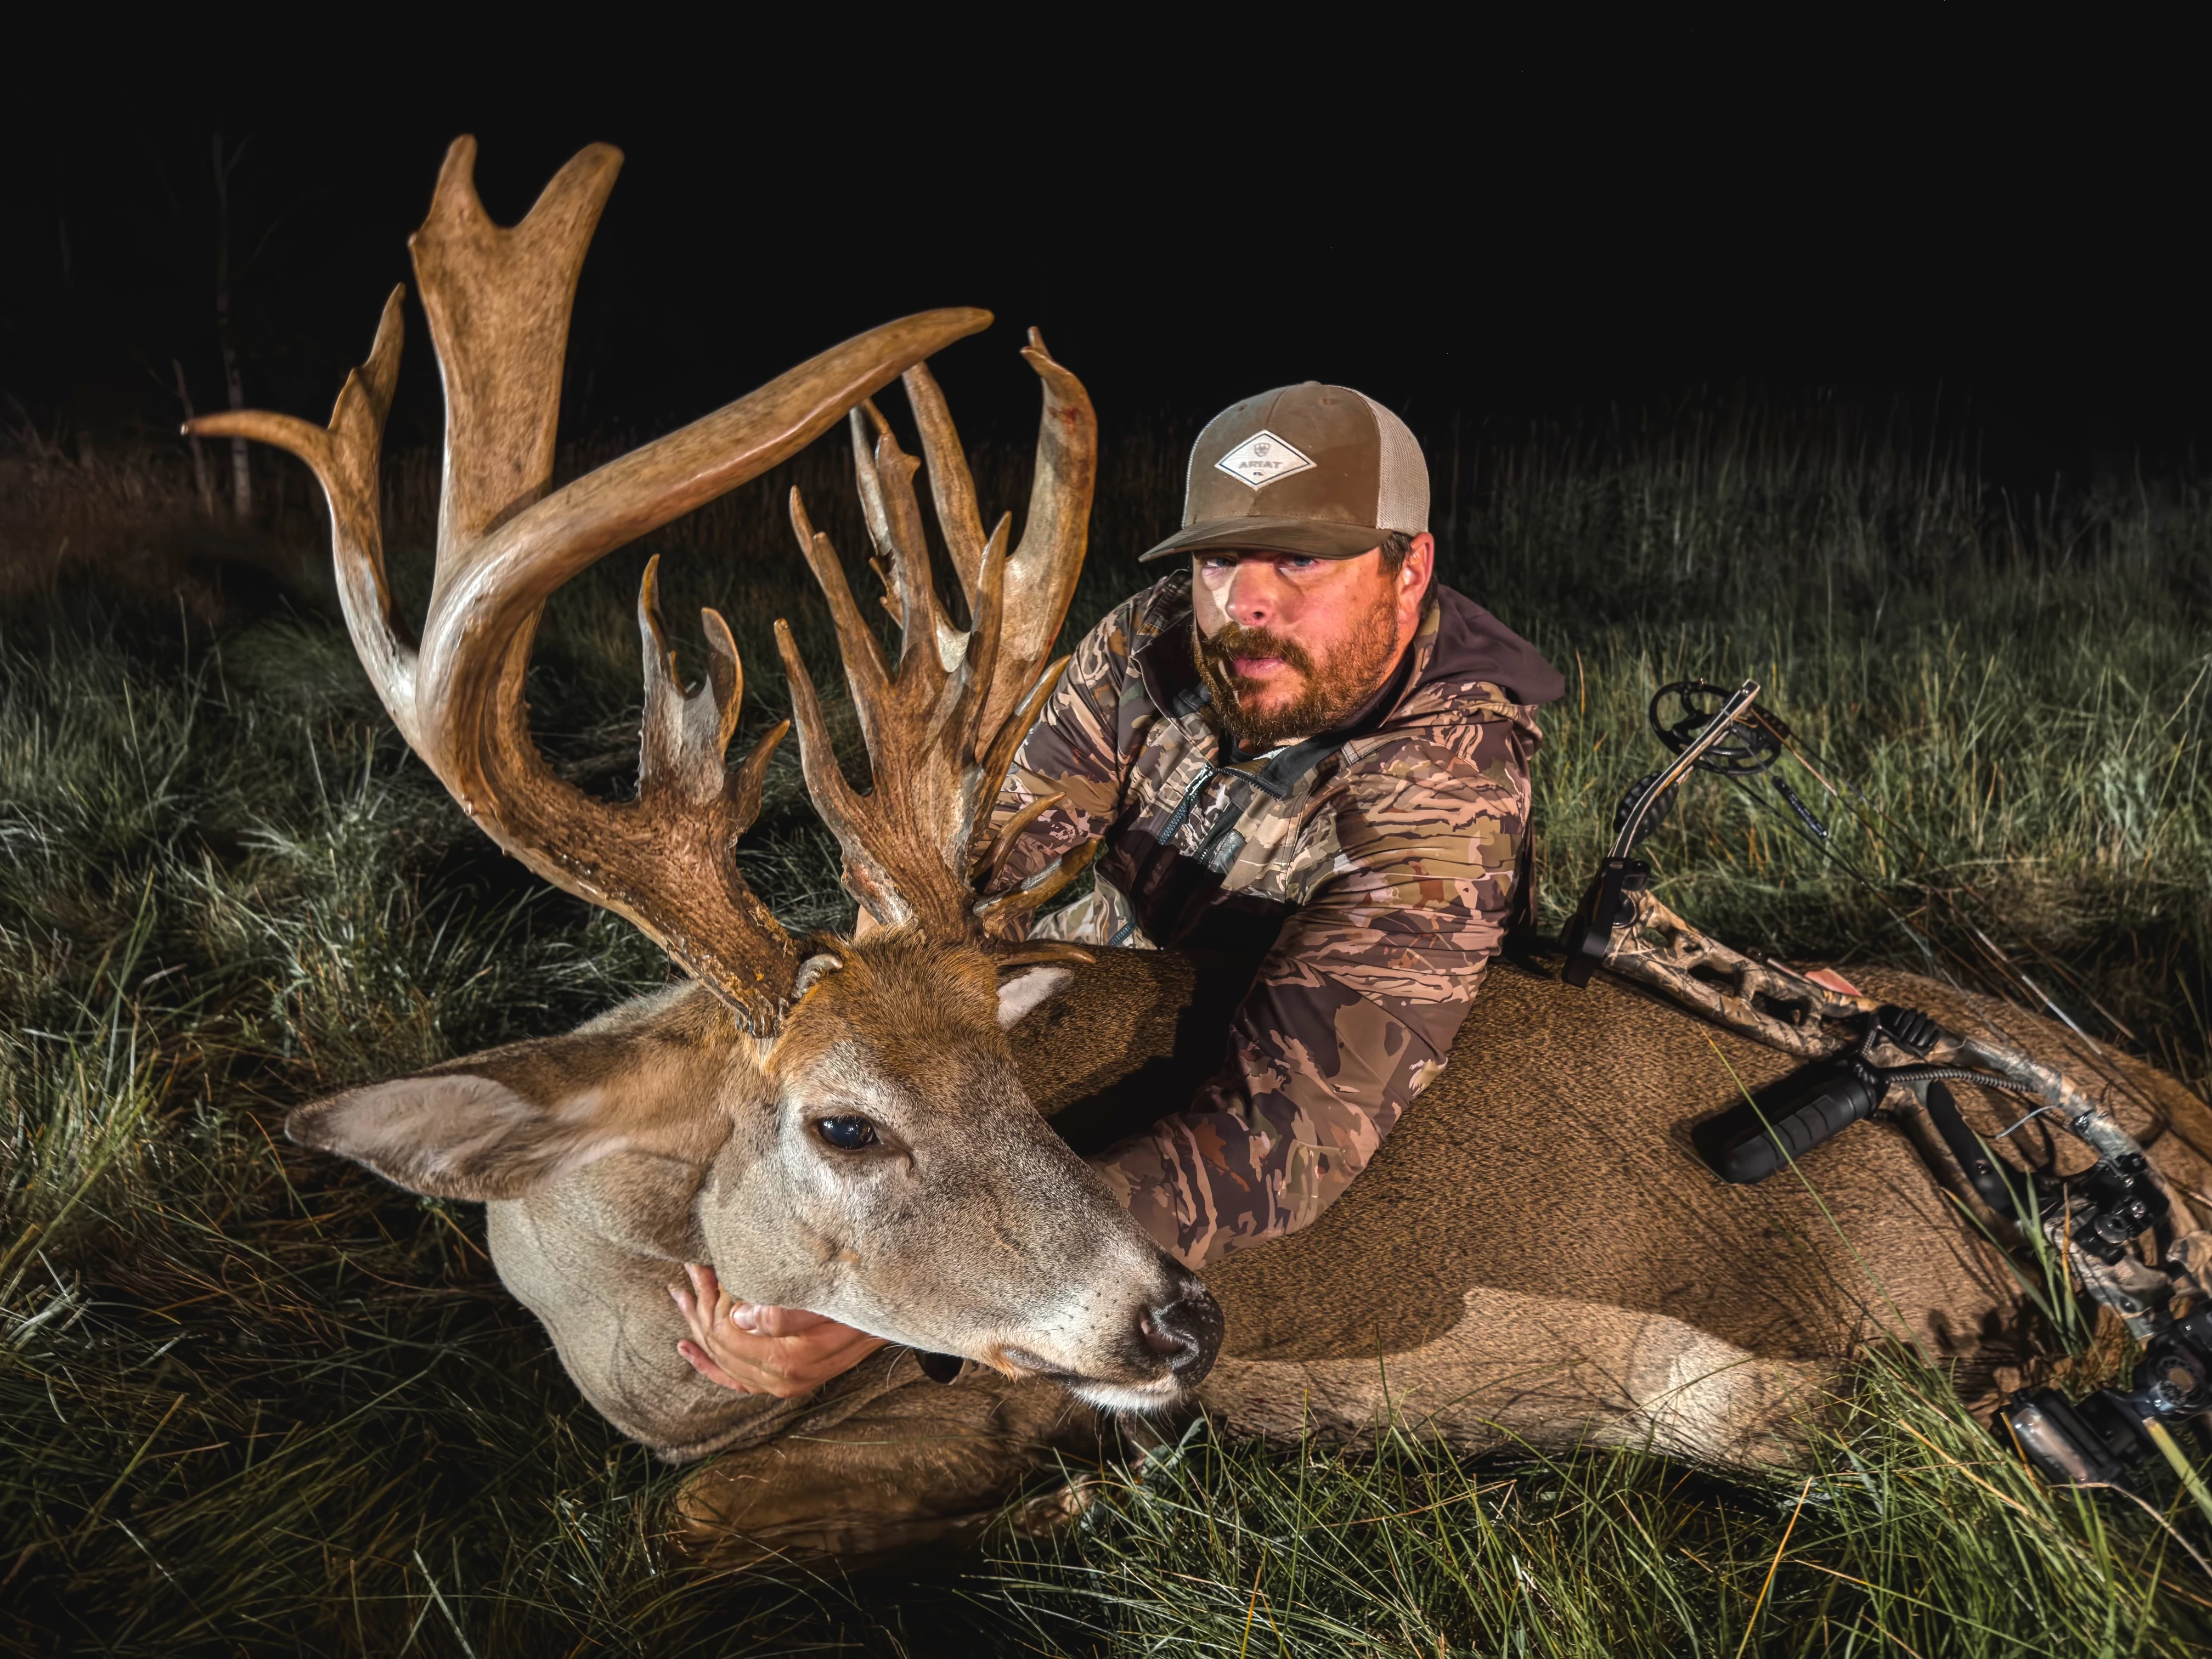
pixel 1021 992
pixel 505 1122
pixel 456 1135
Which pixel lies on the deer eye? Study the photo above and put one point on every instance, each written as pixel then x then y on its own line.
pixel 847 1134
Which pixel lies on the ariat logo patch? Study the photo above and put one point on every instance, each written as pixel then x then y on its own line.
pixel 1262 459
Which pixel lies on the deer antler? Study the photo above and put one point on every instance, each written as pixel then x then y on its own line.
pixel 499 303
pixel 941 732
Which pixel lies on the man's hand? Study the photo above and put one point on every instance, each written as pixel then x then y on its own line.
pixel 783 1351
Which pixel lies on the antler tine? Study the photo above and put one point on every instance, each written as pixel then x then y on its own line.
pixel 983 859
pixel 998 760
pixel 866 875
pixel 693 809
pixel 905 547
pixel 682 738
pixel 499 301
pixel 951 486
pixel 866 674
pixel 344 460
pixel 1003 917
pixel 1042 575
pixel 905 842
pixel 857 423
pixel 888 562
pixel 984 643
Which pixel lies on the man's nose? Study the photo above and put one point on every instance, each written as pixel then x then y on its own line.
pixel 1250 598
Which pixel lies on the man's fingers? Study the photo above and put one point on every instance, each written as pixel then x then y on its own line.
pixel 704 1365
pixel 709 1301
pixel 697 1319
pixel 717 1300
pixel 779 1321
pixel 686 1305
pixel 714 1300
pixel 756 1349
pixel 781 1366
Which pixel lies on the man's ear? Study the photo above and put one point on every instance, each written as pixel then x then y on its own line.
pixel 1019 993
pixel 505 1122
pixel 1414 575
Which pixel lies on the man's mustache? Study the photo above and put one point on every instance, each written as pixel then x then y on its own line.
pixel 1235 640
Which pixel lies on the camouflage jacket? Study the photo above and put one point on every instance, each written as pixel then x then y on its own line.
pixel 1370 871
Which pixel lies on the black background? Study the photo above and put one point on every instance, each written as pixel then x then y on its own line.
pixel 1997 236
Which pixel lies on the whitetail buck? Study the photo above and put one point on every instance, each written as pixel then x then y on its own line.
pixel 842 1124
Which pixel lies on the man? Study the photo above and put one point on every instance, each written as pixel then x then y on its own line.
pixel 1296 747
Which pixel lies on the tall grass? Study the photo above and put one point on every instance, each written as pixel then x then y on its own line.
pixel 1911 1532
pixel 251 1399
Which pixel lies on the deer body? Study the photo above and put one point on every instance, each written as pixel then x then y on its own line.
pixel 1537 1250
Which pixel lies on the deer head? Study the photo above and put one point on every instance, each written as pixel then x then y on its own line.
pixel 835 1124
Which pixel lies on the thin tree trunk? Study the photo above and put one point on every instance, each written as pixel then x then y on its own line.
pixel 241 470
pixel 202 478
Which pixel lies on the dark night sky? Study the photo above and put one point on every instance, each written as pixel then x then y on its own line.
pixel 1495 229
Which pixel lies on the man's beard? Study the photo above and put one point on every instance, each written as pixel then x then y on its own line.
pixel 1332 690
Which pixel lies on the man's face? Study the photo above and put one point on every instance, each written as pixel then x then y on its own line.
pixel 1291 646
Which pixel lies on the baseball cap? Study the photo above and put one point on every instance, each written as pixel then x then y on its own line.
pixel 1316 470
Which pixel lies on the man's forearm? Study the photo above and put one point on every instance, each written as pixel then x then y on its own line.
pixel 1351 1015
pixel 1274 1139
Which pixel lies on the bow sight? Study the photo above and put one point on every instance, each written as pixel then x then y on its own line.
pixel 1869 1060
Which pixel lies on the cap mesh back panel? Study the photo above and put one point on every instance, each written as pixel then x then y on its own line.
pixel 1405 493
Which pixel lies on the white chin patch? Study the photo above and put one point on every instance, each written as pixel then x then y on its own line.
pixel 1130 1396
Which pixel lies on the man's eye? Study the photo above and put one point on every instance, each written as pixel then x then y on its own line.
pixel 847 1134
pixel 1293 563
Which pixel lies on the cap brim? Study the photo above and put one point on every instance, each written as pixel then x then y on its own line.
pixel 1312 539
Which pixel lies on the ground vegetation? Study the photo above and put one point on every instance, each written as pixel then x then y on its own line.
pixel 254 1400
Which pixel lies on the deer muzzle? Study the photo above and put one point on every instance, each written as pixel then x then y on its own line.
pixel 1165 1348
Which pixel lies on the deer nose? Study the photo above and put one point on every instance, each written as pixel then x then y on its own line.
pixel 1185 1329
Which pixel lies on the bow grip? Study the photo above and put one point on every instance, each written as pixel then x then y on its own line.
pixel 1835 1101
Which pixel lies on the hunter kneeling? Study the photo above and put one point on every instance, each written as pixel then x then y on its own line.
pixel 1297 748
